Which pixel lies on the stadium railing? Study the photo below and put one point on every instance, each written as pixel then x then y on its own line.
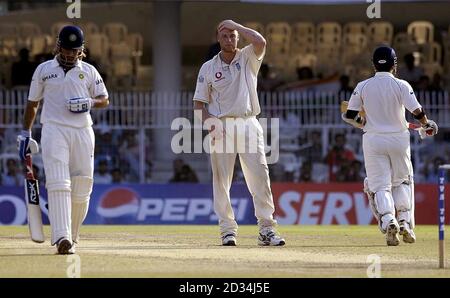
pixel 300 113
pixel 130 110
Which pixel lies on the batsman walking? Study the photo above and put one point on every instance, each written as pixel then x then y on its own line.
pixel 386 144
pixel 69 88
pixel 226 90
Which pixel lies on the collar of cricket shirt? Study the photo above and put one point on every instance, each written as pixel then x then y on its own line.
pixel 223 63
pixel 55 63
pixel 383 74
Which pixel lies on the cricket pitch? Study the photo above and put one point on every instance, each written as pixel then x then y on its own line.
pixel 196 251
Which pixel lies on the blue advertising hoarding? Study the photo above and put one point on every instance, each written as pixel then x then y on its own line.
pixel 139 204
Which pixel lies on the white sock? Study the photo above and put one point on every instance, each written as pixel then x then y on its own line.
pixel 79 212
pixel 59 209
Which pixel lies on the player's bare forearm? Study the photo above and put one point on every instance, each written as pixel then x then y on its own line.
pixel 101 102
pixel 200 106
pixel 253 36
pixel 422 120
pixel 30 114
pixel 213 126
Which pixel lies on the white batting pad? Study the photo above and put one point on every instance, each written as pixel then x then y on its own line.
pixel 384 204
pixel 81 190
pixel 59 209
pixel 404 202
pixel 57 176
pixel 371 197
pixel 82 186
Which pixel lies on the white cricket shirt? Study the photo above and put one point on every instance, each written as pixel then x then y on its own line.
pixel 56 87
pixel 230 89
pixel 384 99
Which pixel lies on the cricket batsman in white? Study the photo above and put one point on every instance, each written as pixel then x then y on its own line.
pixel 386 144
pixel 70 88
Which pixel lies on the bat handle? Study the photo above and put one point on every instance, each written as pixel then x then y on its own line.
pixel 29 167
pixel 414 126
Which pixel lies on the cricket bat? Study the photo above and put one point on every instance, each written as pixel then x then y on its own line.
pixel 33 207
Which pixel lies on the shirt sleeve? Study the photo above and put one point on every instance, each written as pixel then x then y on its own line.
pixel 255 62
pixel 355 102
pixel 36 92
pixel 97 87
pixel 408 97
pixel 202 87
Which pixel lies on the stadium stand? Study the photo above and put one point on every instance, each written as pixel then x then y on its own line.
pixel 380 32
pixel 326 50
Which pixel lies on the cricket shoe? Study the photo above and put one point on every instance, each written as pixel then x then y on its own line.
pixel 267 237
pixel 406 232
pixel 229 240
pixel 72 249
pixel 392 233
pixel 65 247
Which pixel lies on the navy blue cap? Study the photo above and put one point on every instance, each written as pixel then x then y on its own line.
pixel 71 37
pixel 384 57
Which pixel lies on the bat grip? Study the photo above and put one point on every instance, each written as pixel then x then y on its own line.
pixel 414 126
pixel 29 167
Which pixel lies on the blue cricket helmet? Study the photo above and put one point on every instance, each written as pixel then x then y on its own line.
pixel 384 58
pixel 71 37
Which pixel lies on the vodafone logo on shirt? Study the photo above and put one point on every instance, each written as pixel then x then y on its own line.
pixel 218 76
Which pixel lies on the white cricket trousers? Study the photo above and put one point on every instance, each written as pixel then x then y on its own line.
pixel 387 160
pixel 254 167
pixel 67 153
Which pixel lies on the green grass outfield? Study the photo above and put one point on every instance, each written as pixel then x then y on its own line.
pixel 195 251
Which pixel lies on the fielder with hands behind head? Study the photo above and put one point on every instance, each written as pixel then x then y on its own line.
pixel 70 89
pixel 226 89
pixel 386 144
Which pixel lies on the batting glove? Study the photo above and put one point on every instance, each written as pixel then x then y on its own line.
pixel 26 145
pixel 430 128
pixel 422 133
pixel 79 104
pixel 358 122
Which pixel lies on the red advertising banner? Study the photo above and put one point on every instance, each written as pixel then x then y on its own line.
pixel 344 203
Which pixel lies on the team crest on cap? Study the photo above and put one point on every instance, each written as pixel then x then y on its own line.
pixel 72 37
pixel 81 76
pixel 382 61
